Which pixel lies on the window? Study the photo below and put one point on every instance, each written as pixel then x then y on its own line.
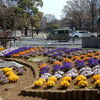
pixel 61 32
pixel 55 32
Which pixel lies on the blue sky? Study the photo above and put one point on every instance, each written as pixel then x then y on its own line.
pixel 53 7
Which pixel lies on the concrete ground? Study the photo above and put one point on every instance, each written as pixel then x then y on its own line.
pixel 44 42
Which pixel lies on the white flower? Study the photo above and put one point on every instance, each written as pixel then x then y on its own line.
pixel 96 67
pixel 96 71
pixel 87 73
pixel 59 72
pixel 72 70
pixel 85 69
pixel 45 75
pixel 72 74
pixel 58 76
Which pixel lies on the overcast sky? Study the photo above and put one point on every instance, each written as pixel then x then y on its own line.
pixel 53 7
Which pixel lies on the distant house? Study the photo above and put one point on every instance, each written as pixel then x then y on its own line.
pixel 8 3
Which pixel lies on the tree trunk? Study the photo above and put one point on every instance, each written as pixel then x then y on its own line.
pixel 26 31
pixel 32 33
pixel 80 25
pixel 4 43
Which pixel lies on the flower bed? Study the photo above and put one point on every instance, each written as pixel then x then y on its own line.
pixel 61 72
pixel 85 63
pixel 63 66
pixel 10 75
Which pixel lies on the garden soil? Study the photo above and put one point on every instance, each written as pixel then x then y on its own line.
pixel 12 91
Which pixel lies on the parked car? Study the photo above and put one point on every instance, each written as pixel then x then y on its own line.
pixel 59 34
pixel 82 33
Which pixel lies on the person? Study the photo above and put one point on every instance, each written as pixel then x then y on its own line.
pixel 37 31
pixel 73 40
pixel 18 35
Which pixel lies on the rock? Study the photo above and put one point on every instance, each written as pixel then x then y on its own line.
pixel 9 87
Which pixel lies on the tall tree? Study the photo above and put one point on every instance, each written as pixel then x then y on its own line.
pixel 7 23
pixel 75 10
pixel 31 8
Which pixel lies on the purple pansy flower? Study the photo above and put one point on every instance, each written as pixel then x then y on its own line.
pixel 79 64
pixel 56 67
pixel 92 62
pixel 66 66
pixel 44 69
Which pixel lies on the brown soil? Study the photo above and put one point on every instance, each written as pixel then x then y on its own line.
pixel 12 91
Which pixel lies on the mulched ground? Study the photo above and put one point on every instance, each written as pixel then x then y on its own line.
pixel 11 91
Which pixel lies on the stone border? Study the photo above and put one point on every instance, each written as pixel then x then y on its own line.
pixel 81 94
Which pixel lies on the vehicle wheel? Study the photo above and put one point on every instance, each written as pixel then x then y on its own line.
pixel 76 38
pixel 92 36
pixel 48 39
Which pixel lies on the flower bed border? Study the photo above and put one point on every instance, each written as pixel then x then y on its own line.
pixel 28 64
pixel 77 94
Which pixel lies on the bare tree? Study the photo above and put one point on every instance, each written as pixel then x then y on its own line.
pixel 75 10
pixel 50 18
pixel 81 12
pixel 7 24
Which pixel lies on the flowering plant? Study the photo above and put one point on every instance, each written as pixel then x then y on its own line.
pixel 64 84
pixel 58 76
pixel 45 75
pixel 38 83
pixel 82 84
pixel 96 77
pixel 72 73
pixel 67 78
pixel 42 65
pixel 79 64
pixel 44 69
pixel 2 48
pixel 50 83
pixel 42 79
pixel 96 71
pixel 52 78
pixel 92 62
pixel 3 78
pixel 66 66
pixel 13 78
pixel 75 58
pixel 96 67
pixel 59 72
pixel 6 69
pixel 67 60
pixel 97 84
pixel 86 58
pixel 85 69
pixel 57 63
pixel 87 73
pixel 80 78
pixel 56 67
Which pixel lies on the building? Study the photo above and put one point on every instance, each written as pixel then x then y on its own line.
pixel 8 3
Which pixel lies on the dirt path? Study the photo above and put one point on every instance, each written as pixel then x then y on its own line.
pixel 12 91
